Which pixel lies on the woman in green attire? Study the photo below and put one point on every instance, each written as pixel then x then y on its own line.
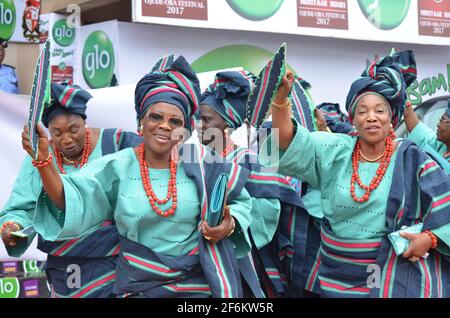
pixel 158 198
pixel 223 107
pixel 73 145
pixel 364 198
pixel 434 143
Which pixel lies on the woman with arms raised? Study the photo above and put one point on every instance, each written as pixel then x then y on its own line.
pixel 371 186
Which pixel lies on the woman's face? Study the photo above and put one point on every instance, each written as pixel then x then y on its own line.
pixel 210 119
pixel 68 132
pixel 158 126
pixel 372 119
pixel 443 129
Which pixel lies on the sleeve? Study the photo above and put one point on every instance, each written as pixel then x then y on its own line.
pixel 423 135
pixel 309 155
pixel 240 209
pixel 434 186
pixel 21 204
pixel 90 197
pixel 443 233
pixel 265 216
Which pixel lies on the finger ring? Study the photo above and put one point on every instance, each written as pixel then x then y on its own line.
pixel 413 259
pixel 207 237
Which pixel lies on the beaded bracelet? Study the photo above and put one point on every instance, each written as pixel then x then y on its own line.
pixel 43 163
pixel 281 106
pixel 433 237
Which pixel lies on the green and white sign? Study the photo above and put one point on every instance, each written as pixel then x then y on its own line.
pixel 7 18
pixel 30 266
pixel 98 60
pixel 255 10
pixel 62 33
pixel 9 287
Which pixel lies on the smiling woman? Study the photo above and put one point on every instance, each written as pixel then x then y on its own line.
pixel 158 198
pixel 370 187
pixel 74 146
pixel 157 126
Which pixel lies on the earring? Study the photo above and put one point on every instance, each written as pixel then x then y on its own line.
pixel 141 127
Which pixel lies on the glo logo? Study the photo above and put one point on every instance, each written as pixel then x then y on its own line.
pixel 31 267
pixel 255 10
pixel 62 34
pixel 98 60
pixel 7 18
pixel 9 287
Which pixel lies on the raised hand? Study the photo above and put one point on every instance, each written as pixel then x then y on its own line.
pixel 43 143
pixel 285 88
pixel 320 120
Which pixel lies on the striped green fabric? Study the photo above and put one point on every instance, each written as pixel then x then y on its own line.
pixel 268 80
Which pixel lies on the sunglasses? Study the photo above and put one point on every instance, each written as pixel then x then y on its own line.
pixel 157 118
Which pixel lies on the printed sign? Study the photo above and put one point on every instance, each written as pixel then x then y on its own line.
pixel 323 14
pixel 19 20
pixel 10 267
pixel 30 288
pixel 368 20
pixel 64 46
pixel 434 18
pixel 178 9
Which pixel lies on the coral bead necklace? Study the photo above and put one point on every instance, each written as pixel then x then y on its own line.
pixel 83 159
pixel 171 192
pixel 376 180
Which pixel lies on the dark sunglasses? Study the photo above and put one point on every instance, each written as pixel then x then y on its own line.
pixel 158 119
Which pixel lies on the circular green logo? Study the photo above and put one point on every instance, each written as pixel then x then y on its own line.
pixel 7 19
pixel 98 60
pixel 31 267
pixel 255 10
pixel 9 287
pixel 385 14
pixel 251 58
pixel 63 34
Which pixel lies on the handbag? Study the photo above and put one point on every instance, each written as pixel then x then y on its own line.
pixel 401 244
pixel 218 201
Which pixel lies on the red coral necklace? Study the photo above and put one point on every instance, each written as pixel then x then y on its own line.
pixel 171 192
pixel 84 157
pixel 376 180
